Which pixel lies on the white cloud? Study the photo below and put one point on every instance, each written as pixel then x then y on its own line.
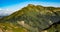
pixel 4 12
pixel 0 8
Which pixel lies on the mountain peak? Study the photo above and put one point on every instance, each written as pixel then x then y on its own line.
pixel 34 16
pixel 31 5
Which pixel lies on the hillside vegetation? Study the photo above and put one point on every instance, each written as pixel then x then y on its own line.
pixel 32 18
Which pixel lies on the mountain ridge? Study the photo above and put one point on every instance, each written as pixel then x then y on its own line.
pixel 30 6
pixel 34 17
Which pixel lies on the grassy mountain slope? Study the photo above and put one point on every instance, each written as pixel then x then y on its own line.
pixel 32 18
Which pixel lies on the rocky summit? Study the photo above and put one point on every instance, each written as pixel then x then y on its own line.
pixel 32 18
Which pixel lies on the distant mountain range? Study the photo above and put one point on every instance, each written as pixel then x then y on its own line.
pixel 34 18
pixel 2 16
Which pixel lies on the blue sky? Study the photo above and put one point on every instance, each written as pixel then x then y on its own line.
pixel 4 3
pixel 10 6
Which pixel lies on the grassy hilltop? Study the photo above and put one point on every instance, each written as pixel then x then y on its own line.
pixel 32 18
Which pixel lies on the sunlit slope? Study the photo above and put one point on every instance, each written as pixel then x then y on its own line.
pixel 34 18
